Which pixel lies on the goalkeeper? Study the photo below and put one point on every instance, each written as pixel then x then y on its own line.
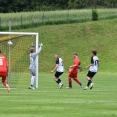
pixel 31 60
pixel 32 67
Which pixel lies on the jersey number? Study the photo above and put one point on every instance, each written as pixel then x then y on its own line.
pixel 1 62
pixel 96 62
pixel 62 63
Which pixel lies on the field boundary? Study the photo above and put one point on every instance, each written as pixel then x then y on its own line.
pixel 25 20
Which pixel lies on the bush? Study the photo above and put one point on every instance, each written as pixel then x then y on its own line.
pixel 94 15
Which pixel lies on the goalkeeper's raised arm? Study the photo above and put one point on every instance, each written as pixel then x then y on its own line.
pixel 33 56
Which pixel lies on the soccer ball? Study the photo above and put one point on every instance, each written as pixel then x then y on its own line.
pixel 10 43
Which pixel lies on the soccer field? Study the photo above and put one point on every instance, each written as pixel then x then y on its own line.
pixel 49 101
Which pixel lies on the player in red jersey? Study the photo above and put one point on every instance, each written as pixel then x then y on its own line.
pixel 4 70
pixel 74 70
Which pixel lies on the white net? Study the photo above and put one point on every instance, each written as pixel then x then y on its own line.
pixel 17 55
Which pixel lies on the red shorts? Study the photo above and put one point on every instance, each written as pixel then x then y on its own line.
pixel 72 75
pixel 3 75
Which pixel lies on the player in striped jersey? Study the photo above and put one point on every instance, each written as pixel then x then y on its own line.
pixel 92 70
pixel 59 68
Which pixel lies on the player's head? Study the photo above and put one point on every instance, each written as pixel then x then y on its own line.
pixel 32 50
pixel 75 54
pixel 0 52
pixel 94 52
pixel 57 55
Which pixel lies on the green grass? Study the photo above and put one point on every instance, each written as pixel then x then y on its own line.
pixel 80 37
pixel 34 19
pixel 49 101
pixel 65 39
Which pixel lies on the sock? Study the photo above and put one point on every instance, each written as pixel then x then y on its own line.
pixel 57 82
pixel 60 82
pixel 77 81
pixel 4 83
pixel 89 82
pixel 7 85
pixel 32 80
pixel 70 82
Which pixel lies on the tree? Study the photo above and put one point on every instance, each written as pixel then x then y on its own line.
pixel 38 5
pixel 112 3
pixel 95 4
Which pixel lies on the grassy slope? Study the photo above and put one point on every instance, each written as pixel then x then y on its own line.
pixel 81 37
pixel 49 101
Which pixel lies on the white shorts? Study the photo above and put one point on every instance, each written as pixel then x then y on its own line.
pixel 33 71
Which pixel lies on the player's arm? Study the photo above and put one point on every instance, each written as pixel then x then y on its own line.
pixel 55 68
pixel 38 51
pixel 92 62
pixel 76 64
pixel 89 65
pixel 57 62
pixel 73 66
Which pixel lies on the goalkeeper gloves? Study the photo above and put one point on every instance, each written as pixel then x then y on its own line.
pixel 41 45
pixel 33 45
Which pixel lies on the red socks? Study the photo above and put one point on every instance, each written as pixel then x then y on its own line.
pixel 77 81
pixel 70 82
pixel 4 83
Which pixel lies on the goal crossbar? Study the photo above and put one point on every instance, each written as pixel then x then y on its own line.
pixel 19 33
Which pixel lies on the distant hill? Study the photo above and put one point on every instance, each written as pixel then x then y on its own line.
pixel 80 37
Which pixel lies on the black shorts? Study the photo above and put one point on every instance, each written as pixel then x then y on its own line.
pixel 91 74
pixel 57 74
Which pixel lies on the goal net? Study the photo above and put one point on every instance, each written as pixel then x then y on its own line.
pixel 18 58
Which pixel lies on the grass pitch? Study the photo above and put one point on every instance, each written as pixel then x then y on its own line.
pixel 49 101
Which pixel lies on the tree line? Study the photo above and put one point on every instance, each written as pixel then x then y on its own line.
pixel 7 6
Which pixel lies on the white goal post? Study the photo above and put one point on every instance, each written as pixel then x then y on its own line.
pixel 37 46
